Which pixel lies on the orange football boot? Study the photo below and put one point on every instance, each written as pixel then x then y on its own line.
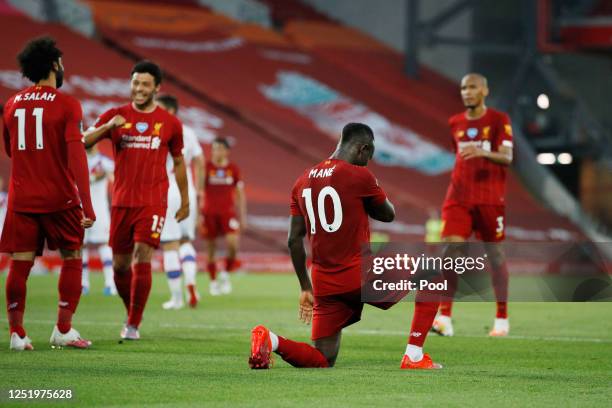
pixel 261 348
pixel 425 364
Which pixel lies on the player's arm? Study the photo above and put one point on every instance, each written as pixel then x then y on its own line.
pixel 502 156
pixel 297 232
pixel 242 204
pixel 7 139
pixel 199 163
pixel 94 134
pixel 502 139
pixel 77 162
pixel 180 172
pixel 382 211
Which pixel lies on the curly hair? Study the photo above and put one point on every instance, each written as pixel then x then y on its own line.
pixel 148 67
pixel 37 58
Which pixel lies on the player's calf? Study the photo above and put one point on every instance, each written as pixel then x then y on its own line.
pixel 302 355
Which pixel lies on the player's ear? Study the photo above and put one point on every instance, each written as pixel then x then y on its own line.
pixel 485 91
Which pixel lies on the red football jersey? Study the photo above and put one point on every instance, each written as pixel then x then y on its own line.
pixel 220 186
pixel 38 123
pixel 479 181
pixel 141 147
pixel 331 197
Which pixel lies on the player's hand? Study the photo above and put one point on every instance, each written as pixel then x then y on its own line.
pixel 472 152
pixel 182 213
pixel 306 305
pixel 117 121
pixel 87 222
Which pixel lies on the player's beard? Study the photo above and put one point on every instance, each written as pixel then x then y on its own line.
pixel 59 78
pixel 147 103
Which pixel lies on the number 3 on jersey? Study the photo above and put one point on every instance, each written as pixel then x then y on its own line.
pixel 20 114
pixel 323 194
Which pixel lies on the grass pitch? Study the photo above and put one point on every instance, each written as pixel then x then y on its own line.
pixel 559 354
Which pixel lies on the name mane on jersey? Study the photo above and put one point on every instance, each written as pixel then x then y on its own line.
pixel 36 96
pixel 321 173
pixel 140 142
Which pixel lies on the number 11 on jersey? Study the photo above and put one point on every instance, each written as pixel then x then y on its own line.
pixel 20 114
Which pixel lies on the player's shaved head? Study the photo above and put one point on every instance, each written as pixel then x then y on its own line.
pixel 474 91
pixel 356 144
pixel 356 132
pixel 475 76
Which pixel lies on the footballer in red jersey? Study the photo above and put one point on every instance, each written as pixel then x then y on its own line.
pixel 482 138
pixel 223 191
pixel 49 197
pixel 330 204
pixel 142 135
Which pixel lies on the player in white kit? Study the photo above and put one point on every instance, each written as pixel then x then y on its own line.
pixel 101 170
pixel 176 238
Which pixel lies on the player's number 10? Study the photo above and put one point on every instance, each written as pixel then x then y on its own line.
pixel 324 193
pixel 20 114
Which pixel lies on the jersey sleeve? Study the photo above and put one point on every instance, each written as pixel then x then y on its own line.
pixel 102 119
pixel 294 206
pixel 368 188
pixel 238 182
pixel 504 132
pixel 175 145
pixel 74 121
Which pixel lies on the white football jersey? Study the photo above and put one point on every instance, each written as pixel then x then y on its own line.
pixel 99 188
pixel 191 150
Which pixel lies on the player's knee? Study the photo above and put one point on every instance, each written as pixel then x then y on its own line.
pixel 70 253
pixel 122 263
pixel 143 252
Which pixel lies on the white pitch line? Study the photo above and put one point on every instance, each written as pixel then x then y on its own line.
pixel 349 330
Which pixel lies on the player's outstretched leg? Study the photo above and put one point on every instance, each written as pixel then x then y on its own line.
pixel 106 256
pixel 172 267
pixel 64 335
pixel 264 342
pixel 19 271
pixel 189 265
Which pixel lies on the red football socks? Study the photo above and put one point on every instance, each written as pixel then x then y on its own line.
pixel 230 264
pixel 16 294
pixel 446 308
pixel 141 286
pixel 424 315
pixel 300 354
pixel 123 282
pixel 499 277
pixel 69 292
pixel 211 268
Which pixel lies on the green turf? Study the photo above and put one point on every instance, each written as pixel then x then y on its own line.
pixel 560 354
